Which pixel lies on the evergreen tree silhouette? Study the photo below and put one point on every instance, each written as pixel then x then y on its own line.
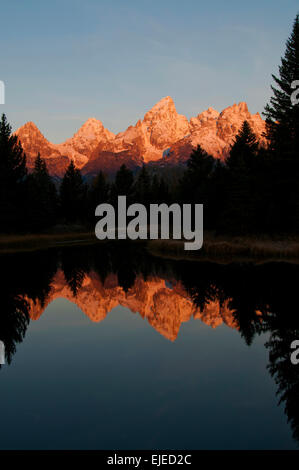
pixel 143 187
pixel 244 149
pixel 195 184
pixel 155 189
pixel 123 184
pixel 12 175
pixel 285 374
pixel 73 195
pixel 218 195
pixel 163 191
pixel 99 193
pixel 159 190
pixel 282 132
pixel 13 322
pixel 100 188
pixel 239 213
pixel 42 196
pixel 282 116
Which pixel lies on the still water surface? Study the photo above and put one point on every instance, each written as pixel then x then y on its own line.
pixel 119 350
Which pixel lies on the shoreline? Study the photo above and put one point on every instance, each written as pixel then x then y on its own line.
pixel 221 249
pixel 41 241
pixel 229 249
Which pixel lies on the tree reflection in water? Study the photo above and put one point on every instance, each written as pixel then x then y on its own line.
pixel 259 298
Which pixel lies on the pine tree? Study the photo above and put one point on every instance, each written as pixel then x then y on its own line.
pixel 240 194
pixel 12 175
pixel 282 132
pixel 159 190
pixel 123 185
pixel 243 150
pixel 200 167
pixel 200 164
pixel 99 189
pixel 195 185
pixel 99 193
pixel 218 194
pixel 282 116
pixel 73 195
pixel 155 189
pixel 163 191
pixel 124 180
pixel 42 196
pixel 142 187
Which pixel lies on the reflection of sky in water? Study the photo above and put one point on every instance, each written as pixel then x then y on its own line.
pixel 119 383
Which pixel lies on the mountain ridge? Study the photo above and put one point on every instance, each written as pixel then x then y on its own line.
pixel 165 308
pixel 162 135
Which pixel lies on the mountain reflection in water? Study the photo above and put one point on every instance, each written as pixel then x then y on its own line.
pixel 250 299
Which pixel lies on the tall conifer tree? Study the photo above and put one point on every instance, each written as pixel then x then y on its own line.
pixel 282 114
pixel 73 195
pixel 282 132
pixel 12 174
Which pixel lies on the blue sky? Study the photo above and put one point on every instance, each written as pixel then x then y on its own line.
pixel 67 60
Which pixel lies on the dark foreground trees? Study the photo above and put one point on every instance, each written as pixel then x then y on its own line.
pixel 42 199
pixel 282 113
pixel 12 177
pixel 240 186
pixel 72 195
pixel 282 121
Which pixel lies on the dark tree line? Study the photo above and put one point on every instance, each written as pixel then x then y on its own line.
pixel 33 203
pixel 255 190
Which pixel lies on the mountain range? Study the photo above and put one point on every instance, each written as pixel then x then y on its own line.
pixel 162 137
pixel 165 305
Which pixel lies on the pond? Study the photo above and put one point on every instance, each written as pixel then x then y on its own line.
pixel 110 348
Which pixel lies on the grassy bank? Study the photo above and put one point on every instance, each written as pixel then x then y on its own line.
pixel 32 242
pixel 226 249
pixel 223 249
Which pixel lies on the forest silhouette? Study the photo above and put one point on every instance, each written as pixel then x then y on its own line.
pixel 255 190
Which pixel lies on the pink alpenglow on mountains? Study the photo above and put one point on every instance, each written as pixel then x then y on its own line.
pixel 163 307
pixel 162 134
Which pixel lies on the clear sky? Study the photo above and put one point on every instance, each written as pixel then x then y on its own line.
pixel 64 61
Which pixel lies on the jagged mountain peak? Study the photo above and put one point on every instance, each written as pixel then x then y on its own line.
pixel 209 113
pixel 161 109
pixel 81 146
pixel 163 102
pixel 161 134
pixel 243 106
pixel 34 142
pixel 91 123
pixel 29 127
pixel 238 109
pixel 29 124
pixel 204 118
pixel 91 120
pixel 91 128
